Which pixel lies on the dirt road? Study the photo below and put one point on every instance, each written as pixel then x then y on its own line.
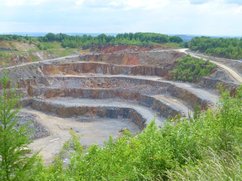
pixel 41 61
pixel 230 71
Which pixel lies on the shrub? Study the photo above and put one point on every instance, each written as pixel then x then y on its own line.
pixel 191 69
pixel 15 164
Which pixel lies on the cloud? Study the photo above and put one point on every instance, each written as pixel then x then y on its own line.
pixel 198 1
pixel 22 2
pixel 122 4
pixel 208 17
pixel 239 2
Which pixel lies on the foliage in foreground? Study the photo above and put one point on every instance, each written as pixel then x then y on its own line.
pixel 191 69
pixel 208 147
pixel 15 164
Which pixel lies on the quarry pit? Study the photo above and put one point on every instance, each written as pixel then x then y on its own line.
pixel 99 95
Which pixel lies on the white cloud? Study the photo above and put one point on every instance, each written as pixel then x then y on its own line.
pixel 22 2
pixel 209 17
pixel 123 4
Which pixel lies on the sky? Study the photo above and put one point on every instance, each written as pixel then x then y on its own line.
pixel 193 17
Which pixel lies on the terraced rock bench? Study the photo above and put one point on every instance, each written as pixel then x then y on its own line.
pixel 102 68
pixel 189 93
pixel 164 105
pixel 69 107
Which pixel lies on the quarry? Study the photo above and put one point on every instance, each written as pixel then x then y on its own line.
pixel 101 94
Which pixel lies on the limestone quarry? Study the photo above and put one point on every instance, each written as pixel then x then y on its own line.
pixel 100 94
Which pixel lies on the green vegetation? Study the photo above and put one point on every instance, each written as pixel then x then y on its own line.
pixel 14 52
pixel 85 41
pixel 15 164
pixel 4 58
pixel 15 37
pixel 207 147
pixel 48 45
pixel 191 69
pixel 221 47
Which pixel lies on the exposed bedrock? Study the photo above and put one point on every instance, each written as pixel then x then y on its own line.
pixel 163 105
pixel 103 68
pixel 210 83
pixel 103 109
pixel 35 128
pixel 189 93
pixel 164 58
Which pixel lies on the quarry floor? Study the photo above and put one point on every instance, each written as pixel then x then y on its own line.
pixel 91 131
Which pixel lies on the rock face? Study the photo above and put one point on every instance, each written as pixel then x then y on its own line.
pixel 90 111
pixel 36 130
pixel 103 68
pixel 155 58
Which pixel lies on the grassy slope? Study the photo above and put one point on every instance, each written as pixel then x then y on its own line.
pixel 16 52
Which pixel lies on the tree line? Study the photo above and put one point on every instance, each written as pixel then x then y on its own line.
pixel 88 41
pixel 221 47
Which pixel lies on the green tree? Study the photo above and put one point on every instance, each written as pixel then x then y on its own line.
pixel 221 47
pixel 191 69
pixel 15 164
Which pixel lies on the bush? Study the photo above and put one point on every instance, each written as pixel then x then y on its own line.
pixel 191 69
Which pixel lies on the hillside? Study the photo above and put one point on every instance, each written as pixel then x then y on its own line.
pixel 13 52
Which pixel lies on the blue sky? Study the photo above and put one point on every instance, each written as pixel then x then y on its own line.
pixel 199 17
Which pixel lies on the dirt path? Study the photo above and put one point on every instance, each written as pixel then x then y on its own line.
pixel 230 71
pixel 41 61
